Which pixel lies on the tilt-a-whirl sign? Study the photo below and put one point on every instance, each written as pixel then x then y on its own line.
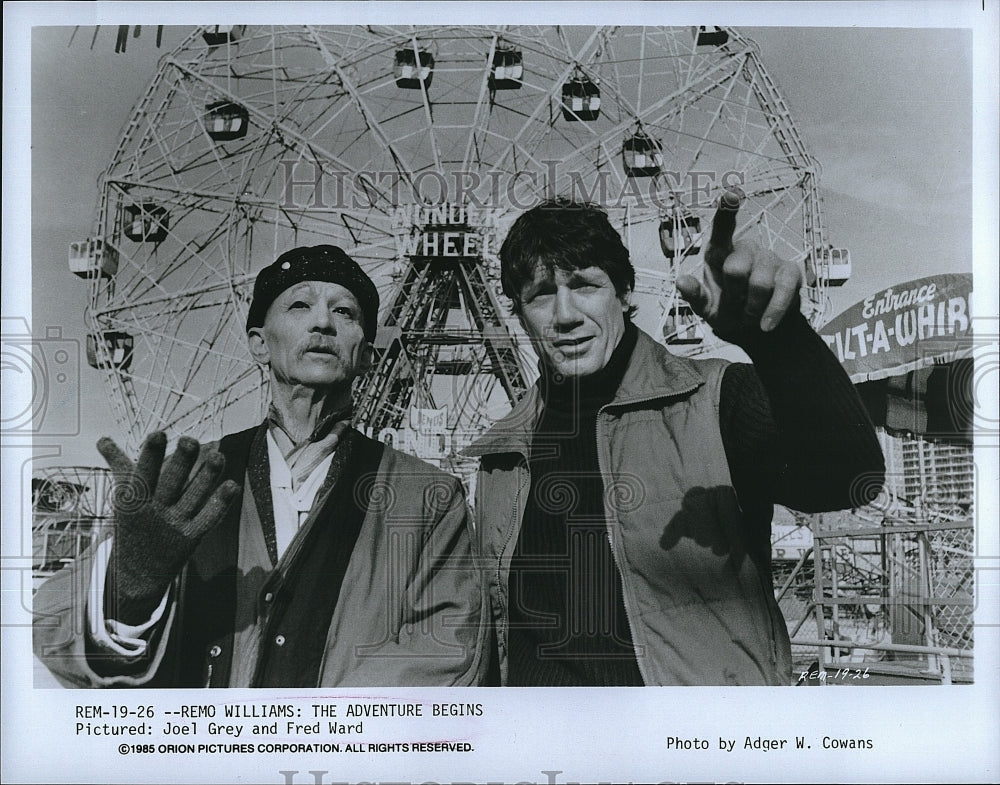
pixel 903 328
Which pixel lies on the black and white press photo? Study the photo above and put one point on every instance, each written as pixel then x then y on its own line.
pixel 399 393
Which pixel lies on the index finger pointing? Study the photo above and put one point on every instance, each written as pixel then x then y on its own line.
pixel 720 244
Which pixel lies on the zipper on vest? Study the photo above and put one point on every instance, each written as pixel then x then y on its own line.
pixel 625 602
pixel 611 540
pixel 503 594
pixel 614 553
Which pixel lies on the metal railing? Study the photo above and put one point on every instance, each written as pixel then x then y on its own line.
pixel 902 590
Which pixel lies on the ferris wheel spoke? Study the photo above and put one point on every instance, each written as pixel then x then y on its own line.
pixel 759 213
pixel 195 110
pixel 173 392
pixel 367 114
pixel 546 95
pixel 480 115
pixel 185 254
pixel 175 301
pixel 766 92
pixel 792 211
pixel 428 116
pixel 711 125
pixel 286 130
pixel 616 131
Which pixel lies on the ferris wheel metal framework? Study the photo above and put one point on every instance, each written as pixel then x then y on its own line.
pixel 414 148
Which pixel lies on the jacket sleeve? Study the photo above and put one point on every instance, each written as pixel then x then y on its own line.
pixel 440 624
pixel 65 608
pixel 795 430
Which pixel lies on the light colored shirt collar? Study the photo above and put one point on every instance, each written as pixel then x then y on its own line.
pixel 303 458
pixel 292 500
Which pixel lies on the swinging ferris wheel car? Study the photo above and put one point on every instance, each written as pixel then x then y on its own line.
pixel 414 149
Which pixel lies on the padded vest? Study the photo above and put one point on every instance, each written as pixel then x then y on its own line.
pixel 701 610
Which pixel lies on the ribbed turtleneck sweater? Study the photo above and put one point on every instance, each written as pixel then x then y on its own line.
pixel 567 617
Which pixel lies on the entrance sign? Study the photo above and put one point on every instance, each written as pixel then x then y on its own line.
pixel 903 328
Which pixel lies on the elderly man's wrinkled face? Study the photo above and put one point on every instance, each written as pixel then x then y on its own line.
pixel 313 336
pixel 575 319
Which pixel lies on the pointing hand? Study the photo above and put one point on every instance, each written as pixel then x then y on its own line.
pixel 741 288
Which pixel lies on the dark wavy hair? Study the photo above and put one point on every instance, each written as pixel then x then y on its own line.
pixel 567 235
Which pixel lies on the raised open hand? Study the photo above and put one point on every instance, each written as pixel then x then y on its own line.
pixel 159 517
pixel 743 288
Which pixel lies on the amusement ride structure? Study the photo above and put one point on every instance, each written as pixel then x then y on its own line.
pixel 414 148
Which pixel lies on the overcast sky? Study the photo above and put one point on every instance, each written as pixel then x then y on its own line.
pixel 887 112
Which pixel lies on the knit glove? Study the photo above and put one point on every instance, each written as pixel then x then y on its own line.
pixel 160 516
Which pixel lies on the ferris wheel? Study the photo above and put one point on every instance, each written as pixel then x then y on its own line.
pixel 414 149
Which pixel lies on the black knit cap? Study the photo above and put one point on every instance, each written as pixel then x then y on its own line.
pixel 316 263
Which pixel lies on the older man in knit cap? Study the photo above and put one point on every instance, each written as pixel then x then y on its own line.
pixel 295 553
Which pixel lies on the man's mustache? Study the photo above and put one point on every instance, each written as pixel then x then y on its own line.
pixel 321 345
